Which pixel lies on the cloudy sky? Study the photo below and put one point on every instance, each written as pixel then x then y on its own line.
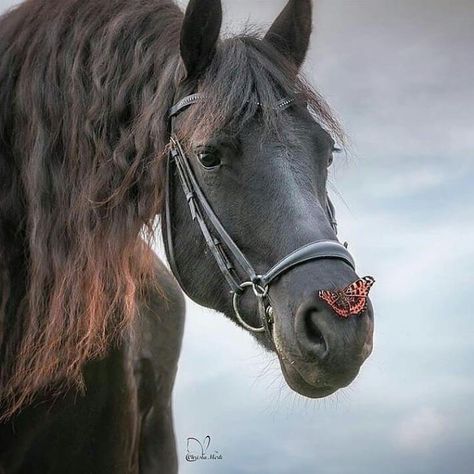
pixel 400 75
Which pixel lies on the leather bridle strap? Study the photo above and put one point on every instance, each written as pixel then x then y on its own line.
pixel 199 207
pixel 314 251
pixel 219 242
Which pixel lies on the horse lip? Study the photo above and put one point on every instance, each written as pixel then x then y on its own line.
pixel 290 370
pixel 299 384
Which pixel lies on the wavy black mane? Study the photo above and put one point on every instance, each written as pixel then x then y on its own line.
pixel 85 86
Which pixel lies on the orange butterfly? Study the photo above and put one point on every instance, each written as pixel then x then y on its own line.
pixel 352 300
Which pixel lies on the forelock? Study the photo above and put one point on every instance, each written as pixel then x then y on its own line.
pixel 248 77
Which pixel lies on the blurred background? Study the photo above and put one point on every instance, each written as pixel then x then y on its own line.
pixel 400 76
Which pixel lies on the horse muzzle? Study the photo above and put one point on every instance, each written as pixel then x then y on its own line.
pixel 320 352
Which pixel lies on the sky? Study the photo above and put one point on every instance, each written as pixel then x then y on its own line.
pixel 399 75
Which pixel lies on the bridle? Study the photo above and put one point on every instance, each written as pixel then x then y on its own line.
pixel 224 250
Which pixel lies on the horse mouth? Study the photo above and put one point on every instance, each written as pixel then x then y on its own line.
pixel 298 384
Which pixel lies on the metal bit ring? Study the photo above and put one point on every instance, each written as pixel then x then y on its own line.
pixel 259 293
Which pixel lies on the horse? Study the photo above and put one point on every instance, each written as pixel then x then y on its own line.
pixel 120 116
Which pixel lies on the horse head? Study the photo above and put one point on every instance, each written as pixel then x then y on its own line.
pixel 253 235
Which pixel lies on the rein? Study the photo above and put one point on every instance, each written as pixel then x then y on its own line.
pixel 224 250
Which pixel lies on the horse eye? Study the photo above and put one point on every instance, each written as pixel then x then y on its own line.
pixel 209 159
pixel 331 157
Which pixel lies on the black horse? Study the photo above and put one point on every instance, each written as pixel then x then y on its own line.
pixel 95 143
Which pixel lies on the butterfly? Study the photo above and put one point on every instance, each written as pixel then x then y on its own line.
pixel 352 300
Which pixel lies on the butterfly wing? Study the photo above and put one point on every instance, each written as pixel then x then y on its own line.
pixel 360 287
pixel 357 293
pixel 357 305
pixel 352 300
pixel 329 296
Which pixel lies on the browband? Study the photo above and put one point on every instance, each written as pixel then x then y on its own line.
pixel 193 98
pixel 184 103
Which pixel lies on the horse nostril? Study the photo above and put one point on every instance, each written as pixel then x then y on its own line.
pixel 309 333
pixel 312 330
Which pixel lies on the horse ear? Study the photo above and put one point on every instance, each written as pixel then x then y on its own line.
pixel 199 34
pixel 291 31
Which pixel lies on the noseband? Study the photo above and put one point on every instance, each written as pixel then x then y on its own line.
pixel 224 250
